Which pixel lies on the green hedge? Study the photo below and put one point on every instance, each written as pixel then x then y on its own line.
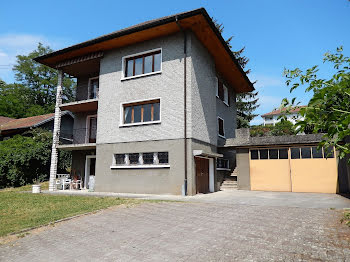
pixel 281 128
pixel 26 157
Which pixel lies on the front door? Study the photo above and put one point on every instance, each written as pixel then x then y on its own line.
pixel 90 167
pixel 202 175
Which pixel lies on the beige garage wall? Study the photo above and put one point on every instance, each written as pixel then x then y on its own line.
pixel 314 175
pixel 270 175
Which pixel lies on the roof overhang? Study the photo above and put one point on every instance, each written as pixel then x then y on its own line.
pixel 198 21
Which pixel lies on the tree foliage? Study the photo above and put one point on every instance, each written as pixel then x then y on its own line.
pixel 26 157
pixel 281 128
pixel 246 103
pixel 34 92
pixel 329 108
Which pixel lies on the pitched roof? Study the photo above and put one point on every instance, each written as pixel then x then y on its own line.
pixel 279 111
pixel 4 119
pixel 198 21
pixel 26 122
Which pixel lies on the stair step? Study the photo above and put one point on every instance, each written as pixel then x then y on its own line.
pixel 228 188
pixel 229 183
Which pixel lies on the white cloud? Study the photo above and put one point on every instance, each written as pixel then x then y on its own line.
pixel 20 44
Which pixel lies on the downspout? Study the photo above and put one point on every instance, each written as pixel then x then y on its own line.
pixel 184 190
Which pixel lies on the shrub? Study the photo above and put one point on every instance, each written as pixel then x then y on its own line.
pixel 281 128
pixel 26 157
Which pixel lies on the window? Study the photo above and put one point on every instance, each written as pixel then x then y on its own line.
pixel 163 158
pixel 263 153
pixel 141 64
pixel 305 152
pixel 93 87
pixel 222 92
pixel 221 127
pixel 120 159
pixel 135 160
pixel 222 164
pixel 328 152
pixel 254 154
pixel 316 153
pixel 140 112
pixel 283 153
pixel 273 153
pixel 295 153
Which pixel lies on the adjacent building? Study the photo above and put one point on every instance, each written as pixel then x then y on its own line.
pixel 272 117
pixel 155 103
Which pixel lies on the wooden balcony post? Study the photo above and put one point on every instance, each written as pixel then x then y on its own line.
pixel 56 133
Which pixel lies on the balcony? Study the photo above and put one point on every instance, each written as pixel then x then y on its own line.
pixel 81 139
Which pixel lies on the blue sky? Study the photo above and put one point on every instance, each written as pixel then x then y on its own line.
pixel 277 34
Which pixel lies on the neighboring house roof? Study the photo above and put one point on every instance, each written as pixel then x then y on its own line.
pixel 198 21
pixel 33 121
pixel 4 120
pixel 279 111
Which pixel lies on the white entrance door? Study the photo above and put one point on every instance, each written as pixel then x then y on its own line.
pixel 90 164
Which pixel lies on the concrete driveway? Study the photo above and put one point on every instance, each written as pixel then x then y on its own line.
pixel 212 228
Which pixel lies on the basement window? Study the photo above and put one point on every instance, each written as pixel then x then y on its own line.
pixel 145 63
pixel 141 160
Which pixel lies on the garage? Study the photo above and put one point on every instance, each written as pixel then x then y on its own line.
pixel 294 169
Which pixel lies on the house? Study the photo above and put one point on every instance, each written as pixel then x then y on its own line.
pixel 292 115
pixel 288 163
pixel 155 102
pixel 10 126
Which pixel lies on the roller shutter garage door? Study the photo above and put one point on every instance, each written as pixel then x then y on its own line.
pixel 293 169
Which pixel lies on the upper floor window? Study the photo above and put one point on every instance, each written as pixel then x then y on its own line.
pixel 222 92
pixel 140 112
pixel 93 87
pixel 143 63
pixel 221 127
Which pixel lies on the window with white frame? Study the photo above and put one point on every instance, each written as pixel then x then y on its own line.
pixel 141 112
pixel 221 129
pixel 143 63
pixel 222 92
pixel 222 164
pixel 141 159
pixel 93 87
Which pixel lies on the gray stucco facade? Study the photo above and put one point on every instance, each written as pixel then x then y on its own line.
pixel 203 109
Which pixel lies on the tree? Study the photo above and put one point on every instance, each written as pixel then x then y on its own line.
pixel 40 81
pixel 329 108
pixel 246 103
pixel 26 157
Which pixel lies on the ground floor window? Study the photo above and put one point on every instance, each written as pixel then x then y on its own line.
pixel 222 164
pixel 141 159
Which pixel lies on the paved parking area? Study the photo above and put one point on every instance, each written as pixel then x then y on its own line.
pixel 187 231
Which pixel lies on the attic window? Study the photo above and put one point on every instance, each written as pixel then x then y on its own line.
pixel 143 63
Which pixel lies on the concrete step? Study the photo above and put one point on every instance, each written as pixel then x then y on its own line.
pixel 222 188
pixel 228 182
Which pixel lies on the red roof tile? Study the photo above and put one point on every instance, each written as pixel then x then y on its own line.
pixel 25 122
pixel 279 111
pixel 4 119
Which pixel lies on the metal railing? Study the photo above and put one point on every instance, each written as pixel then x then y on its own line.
pixel 79 136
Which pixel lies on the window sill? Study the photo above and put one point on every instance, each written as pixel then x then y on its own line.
pixel 140 167
pixel 223 169
pixel 223 137
pixel 133 77
pixel 140 123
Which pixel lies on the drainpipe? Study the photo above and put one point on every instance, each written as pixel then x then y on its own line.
pixel 184 189
pixel 56 132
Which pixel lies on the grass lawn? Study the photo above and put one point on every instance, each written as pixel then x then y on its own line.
pixel 20 210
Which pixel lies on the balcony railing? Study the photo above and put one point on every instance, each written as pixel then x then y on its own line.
pixel 79 136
